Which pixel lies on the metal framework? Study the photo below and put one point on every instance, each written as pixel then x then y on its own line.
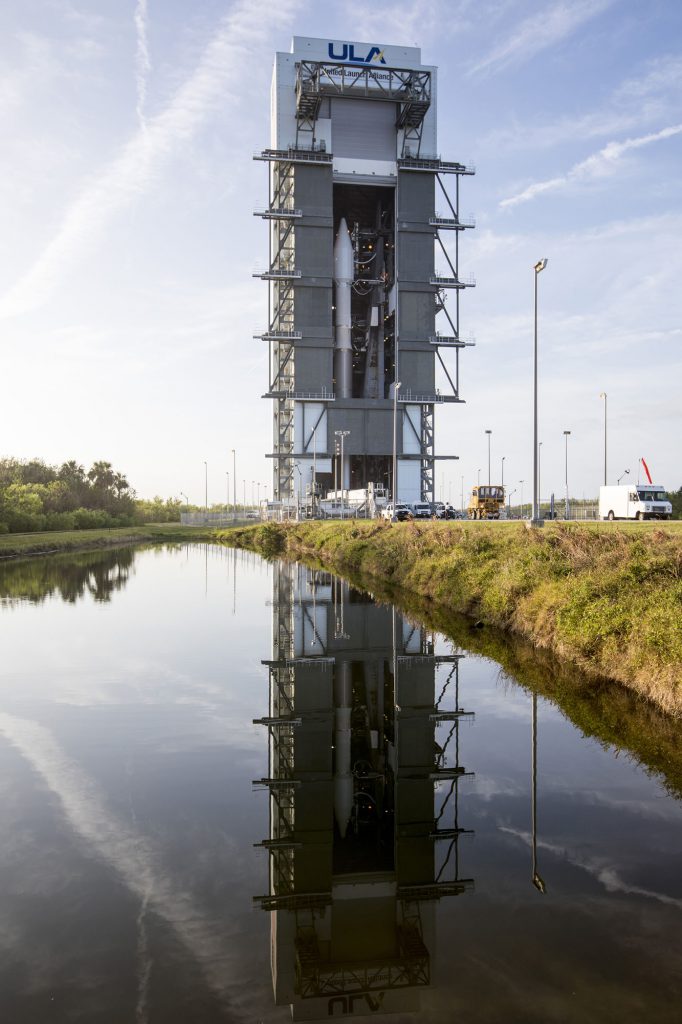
pixel 410 89
pixel 281 335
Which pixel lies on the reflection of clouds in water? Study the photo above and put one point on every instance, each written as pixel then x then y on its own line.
pixel 132 858
pixel 605 874
pixel 488 788
pixel 220 709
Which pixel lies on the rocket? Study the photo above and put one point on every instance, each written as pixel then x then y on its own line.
pixel 343 350
pixel 343 280
pixel 343 777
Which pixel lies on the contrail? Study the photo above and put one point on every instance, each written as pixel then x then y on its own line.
pixel 143 64
pixel 132 857
pixel 218 76
pixel 607 876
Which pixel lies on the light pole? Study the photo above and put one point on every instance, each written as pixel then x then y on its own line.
pixel 539 266
pixel 185 497
pixel 396 388
pixel 566 436
pixel 538 882
pixel 509 498
pixel 624 473
pixel 227 491
pixel 539 477
pixel 489 432
pixel 253 493
pixel 521 482
pixel 206 486
pixel 503 458
pixel 478 478
pixel 244 506
pixel 258 493
pixel 234 482
pixel 602 394
pixel 342 434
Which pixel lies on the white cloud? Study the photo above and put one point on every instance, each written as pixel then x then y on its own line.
pixel 219 71
pixel 538 32
pixel 143 64
pixel 598 165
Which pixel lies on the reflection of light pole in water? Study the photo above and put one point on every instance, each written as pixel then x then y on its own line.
pixel 537 881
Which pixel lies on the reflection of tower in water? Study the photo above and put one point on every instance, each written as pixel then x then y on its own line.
pixel 358 853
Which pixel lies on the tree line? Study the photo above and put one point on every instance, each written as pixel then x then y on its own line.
pixel 35 496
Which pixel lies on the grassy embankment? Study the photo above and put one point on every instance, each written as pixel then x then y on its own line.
pixel 22 545
pixel 606 598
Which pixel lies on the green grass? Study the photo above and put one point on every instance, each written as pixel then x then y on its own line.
pixel 606 597
pixel 20 545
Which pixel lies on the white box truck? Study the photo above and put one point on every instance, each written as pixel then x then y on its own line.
pixel 634 501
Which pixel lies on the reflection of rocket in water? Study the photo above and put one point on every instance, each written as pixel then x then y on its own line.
pixel 343 351
pixel 356 861
pixel 343 779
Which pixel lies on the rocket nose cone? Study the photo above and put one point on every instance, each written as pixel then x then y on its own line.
pixel 343 227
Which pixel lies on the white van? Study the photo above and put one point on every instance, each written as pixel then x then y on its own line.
pixel 634 501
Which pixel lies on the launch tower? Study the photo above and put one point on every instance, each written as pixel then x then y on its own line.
pixel 354 291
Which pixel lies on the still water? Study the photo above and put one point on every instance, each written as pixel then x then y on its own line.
pixel 406 831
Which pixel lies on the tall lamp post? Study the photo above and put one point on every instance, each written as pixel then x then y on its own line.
pixel 182 495
pixel 227 490
pixel 488 432
pixel 234 482
pixel 539 475
pixel 602 394
pixel 566 436
pixel 206 486
pixel 396 388
pixel 342 434
pixel 624 473
pixel 478 478
pixel 521 482
pixel 503 458
pixel 538 268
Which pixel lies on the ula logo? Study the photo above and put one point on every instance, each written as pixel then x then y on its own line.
pixel 375 55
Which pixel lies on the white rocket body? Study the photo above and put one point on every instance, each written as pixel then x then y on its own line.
pixel 343 350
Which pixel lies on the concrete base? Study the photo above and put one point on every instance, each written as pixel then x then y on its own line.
pixel 534 524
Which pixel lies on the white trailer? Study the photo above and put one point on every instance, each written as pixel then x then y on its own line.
pixel 634 501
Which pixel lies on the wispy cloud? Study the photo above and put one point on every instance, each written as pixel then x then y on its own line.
pixel 143 64
pixel 598 165
pixel 538 32
pixel 647 98
pixel 129 854
pixel 217 75
pixel 605 874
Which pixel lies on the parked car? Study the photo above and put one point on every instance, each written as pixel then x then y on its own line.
pixel 422 509
pixel 402 511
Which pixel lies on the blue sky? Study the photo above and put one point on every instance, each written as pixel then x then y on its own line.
pixel 127 305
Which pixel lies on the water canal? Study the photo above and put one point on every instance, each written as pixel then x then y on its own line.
pixel 407 831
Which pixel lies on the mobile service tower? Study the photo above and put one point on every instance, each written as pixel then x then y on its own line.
pixel 354 291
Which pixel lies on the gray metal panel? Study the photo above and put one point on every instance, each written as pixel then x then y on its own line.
pixel 416 197
pixel 417 371
pixel 313 190
pixel 416 257
pixel 371 429
pixel 364 129
pixel 417 316
pixel 313 309
pixel 314 369
pixel 315 251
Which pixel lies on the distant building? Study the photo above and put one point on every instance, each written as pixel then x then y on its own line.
pixel 354 289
